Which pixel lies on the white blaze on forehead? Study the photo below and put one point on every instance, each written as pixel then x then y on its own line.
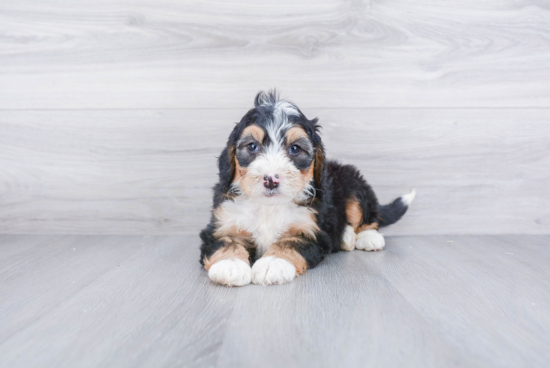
pixel 275 158
pixel 279 123
pixel 286 107
pixel 274 161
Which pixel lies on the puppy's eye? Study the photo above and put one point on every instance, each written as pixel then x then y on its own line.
pixel 294 149
pixel 253 147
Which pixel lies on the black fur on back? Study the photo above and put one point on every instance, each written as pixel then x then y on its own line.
pixel 340 183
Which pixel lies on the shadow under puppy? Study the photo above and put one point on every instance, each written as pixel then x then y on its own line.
pixel 280 207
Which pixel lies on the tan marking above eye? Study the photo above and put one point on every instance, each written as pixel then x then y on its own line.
pixel 295 133
pixel 255 131
pixel 239 171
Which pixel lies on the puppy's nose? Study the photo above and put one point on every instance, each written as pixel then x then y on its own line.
pixel 271 181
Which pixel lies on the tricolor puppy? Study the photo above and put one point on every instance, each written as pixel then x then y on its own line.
pixel 280 207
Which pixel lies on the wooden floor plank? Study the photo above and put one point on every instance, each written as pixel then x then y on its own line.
pixel 425 301
pixel 42 277
pixel 340 314
pixel 482 299
pixel 155 308
pixel 12 245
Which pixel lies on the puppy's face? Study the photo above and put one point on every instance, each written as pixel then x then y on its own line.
pixel 276 152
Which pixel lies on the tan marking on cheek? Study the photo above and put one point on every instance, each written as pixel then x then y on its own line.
pixel 373 226
pixel 247 184
pixel 232 249
pixel 295 133
pixel 240 171
pixel 354 214
pixel 290 254
pixel 255 131
pixel 245 181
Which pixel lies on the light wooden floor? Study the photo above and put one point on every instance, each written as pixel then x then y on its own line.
pixel 144 301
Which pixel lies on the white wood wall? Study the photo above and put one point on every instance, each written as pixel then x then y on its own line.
pixel 112 112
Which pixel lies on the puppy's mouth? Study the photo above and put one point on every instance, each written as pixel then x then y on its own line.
pixel 271 192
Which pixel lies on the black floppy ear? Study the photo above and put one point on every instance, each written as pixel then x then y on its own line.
pixel 319 165
pixel 319 159
pixel 226 161
pixel 226 166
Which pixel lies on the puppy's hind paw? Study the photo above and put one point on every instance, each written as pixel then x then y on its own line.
pixel 370 240
pixel 348 239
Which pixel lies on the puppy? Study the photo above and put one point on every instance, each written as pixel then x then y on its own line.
pixel 280 207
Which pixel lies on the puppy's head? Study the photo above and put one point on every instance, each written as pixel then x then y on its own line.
pixel 273 153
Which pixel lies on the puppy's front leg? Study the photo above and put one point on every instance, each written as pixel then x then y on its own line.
pixel 285 259
pixel 229 264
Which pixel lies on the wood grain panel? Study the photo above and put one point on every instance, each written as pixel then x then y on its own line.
pixel 477 171
pixel 327 53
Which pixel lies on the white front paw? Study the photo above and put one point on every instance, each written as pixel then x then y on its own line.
pixel 271 270
pixel 230 272
pixel 370 240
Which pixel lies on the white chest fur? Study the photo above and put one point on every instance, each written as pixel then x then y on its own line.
pixel 265 220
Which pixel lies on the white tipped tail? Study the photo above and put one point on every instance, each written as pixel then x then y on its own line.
pixel 391 213
pixel 408 198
